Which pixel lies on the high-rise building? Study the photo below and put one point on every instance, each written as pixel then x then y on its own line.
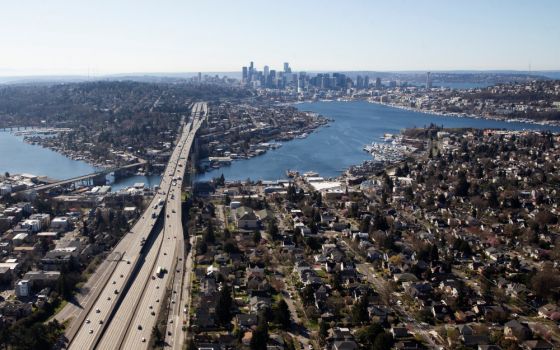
pixel 428 80
pixel 359 82
pixel 378 83
pixel 272 78
pixel 199 77
pixel 244 74
pixel 287 68
pixel 251 71
pixel 266 76
pixel 366 82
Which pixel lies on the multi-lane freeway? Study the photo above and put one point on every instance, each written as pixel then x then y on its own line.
pixel 147 262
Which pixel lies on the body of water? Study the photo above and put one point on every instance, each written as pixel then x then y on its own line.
pixel 18 157
pixel 330 150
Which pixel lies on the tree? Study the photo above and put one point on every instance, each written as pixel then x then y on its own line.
pixel 307 295
pixel 202 247
pixel 380 222
pixel 364 224
pixel 257 236
pixel 223 308
pixel 367 335
pixel 282 314
pixel 545 281
pixel 462 186
pixel 272 229
pixel 260 335
pixel 359 310
pixel 323 331
pixel 209 234
pixel 434 253
pixel 383 341
pixel 230 247
pixel 156 335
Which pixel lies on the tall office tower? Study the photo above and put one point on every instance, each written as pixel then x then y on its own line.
pixel 244 74
pixel 359 82
pixel 366 82
pixel 287 68
pixel 266 76
pixel 428 80
pixel 272 78
pixel 251 71
pixel 378 83
pixel 199 77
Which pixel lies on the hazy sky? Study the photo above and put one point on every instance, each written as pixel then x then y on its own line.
pixel 117 36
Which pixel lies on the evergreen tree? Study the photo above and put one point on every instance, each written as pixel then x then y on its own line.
pixel 223 309
pixel 257 236
pixel 359 310
pixel 282 314
pixel 260 335
pixel 383 341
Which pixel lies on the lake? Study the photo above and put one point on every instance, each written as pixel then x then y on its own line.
pixel 330 150
pixel 18 157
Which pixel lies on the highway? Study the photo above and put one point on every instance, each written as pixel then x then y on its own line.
pixel 152 301
pixel 111 319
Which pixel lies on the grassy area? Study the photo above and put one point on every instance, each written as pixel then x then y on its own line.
pixel 60 306
pixel 312 325
pixel 322 273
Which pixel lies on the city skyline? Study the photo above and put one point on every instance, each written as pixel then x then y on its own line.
pixel 64 38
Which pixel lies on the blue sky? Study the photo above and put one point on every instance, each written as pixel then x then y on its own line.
pixel 120 36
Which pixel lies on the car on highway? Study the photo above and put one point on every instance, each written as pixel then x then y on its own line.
pixel 88 321
pixel 100 321
pixel 90 331
pixel 97 310
pixel 140 327
pixel 143 340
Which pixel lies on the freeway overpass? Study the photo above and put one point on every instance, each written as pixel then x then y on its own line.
pixel 129 298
